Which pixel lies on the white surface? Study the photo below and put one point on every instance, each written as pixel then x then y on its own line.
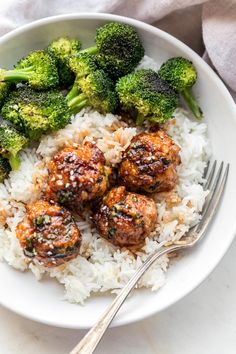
pixel 42 301
pixel 202 323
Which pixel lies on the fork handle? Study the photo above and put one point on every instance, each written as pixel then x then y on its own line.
pixel 89 342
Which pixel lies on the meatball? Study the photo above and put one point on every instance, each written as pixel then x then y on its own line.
pixel 49 234
pixel 77 175
pixel 124 218
pixel 149 163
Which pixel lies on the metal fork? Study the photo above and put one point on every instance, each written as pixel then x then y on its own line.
pixel 215 183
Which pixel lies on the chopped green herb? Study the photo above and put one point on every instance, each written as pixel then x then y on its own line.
pixel 38 220
pixel 111 232
pixel 42 220
pixel 47 219
pixel 104 171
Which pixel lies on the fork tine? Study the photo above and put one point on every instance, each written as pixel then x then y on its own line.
pixel 210 177
pixel 213 187
pixel 213 203
pixel 206 169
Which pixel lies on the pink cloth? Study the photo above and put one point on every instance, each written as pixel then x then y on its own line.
pixel 208 26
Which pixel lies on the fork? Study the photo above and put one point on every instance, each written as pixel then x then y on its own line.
pixel 215 183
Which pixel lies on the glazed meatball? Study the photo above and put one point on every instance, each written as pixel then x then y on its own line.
pixel 77 175
pixel 49 234
pixel 124 218
pixel 149 163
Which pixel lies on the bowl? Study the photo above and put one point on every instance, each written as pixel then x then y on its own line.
pixel 43 301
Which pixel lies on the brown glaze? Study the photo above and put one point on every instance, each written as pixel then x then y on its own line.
pixel 77 175
pixel 124 218
pixel 149 163
pixel 49 234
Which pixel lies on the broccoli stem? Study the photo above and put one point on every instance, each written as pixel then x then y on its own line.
pixel 192 104
pixel 79 106
pixel 75 90
pixel 17 75
pixel 140 119
pixel 14 162
pixel 91 50
pixel 78 102
pixel 72 93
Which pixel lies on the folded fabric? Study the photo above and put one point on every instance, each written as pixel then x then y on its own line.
pixel 219 35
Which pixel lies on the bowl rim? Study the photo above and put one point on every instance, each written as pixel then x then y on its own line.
pixel 204 67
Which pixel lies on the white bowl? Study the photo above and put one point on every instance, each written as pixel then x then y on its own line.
pixel 42 301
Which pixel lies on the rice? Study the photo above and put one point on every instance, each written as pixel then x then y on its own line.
pixel 102 267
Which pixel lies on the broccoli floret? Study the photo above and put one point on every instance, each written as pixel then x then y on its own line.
pixel 36 113
pixel 11 142
pixel 98 91
pixel 38 69
pixel 62 49
pixel 4 91
pixel 82 65
pixel 146 96
pixel 5 168
pixel 118 49
pixel 181 75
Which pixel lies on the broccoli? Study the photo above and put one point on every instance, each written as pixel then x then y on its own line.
pixel 5 168
pixel 82 65
pixel 36 113
pixel 98 91
pixel 62 49
pixel 38 69
pixel 146 96
pixel 11 142
pixel 118 49
pixel 181 76
pixel 4 91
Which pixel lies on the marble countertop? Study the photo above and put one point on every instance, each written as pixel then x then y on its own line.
pixel 204 322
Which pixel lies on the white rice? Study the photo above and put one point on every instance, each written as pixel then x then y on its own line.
pixel 101 267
